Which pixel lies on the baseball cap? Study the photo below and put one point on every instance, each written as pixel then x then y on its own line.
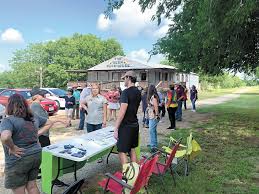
pixel 129 74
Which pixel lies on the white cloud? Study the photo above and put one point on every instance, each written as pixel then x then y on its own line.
pixel 130 21
pixel 49 30
pixel 103 23
pixel 143 56
pixel 4 67
pixel 12 35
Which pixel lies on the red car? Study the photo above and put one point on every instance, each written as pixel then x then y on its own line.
pixel 49 105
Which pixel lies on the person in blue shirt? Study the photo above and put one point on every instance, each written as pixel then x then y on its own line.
pixel 70 102
pixel 76 95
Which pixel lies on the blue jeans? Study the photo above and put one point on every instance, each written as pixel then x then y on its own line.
pixel 91 127
pixel 153 132
pixel 193 104
pixel 178 114
pixel 82 119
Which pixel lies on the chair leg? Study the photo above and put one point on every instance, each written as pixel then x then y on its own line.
pixel 186 168
pixel 146 189
pixel 172 173
pixel 106 185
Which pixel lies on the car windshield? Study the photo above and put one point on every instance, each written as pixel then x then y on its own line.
pixel 58 92
pixel 26 94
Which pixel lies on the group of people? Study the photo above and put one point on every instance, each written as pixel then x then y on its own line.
pixel 26 129
pixel 155 103
pixel 92 108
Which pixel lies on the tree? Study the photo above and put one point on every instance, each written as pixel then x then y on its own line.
pixel 207 36
pixel 55 57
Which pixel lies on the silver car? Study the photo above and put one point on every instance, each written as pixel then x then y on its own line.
pixel 2 112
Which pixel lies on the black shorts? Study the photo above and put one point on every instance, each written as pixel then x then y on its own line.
pixel 44 141
pixel 128 136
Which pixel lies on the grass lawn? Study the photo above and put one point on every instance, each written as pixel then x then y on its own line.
pixel 215 93
pixel 229 162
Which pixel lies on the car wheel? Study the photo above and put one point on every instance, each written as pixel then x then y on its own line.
pixel 58 104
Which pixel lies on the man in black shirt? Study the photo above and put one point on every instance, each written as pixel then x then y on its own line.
pixel 127 127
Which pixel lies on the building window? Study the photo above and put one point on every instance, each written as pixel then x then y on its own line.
pixel 143 76
pixel 115 76
pixel 177 77
pixel 186 78
pixel 166 76
pixel 172 77
pixel 159 76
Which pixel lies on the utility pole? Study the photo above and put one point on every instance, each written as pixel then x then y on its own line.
pixel 41 77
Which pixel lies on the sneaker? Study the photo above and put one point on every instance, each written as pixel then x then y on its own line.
pixel 173 129
pixel 100 160
pixel 169 128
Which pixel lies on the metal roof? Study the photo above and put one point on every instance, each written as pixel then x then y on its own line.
pixel 161 66
pixel 124 63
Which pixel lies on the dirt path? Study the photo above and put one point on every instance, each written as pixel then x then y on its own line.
pixel 189 118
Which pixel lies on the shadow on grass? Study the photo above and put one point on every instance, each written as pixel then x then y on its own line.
pixel 250 94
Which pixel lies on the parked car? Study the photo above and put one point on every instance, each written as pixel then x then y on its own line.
pixel 2 89
pixel 2 112
pixel 57 95
pixel 49 105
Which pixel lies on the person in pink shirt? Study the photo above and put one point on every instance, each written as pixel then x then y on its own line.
pixel 113 97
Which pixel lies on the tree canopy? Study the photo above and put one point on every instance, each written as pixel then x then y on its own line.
pixel 207 36
pixel 53 58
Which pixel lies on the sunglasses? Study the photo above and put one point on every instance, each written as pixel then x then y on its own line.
pixel 126 77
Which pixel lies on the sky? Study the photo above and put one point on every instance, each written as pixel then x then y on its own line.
pixel 30 21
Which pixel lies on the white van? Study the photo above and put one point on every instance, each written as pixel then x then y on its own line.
pixel 57 95
pixel 2 112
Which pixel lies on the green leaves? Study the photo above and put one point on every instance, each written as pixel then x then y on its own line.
pixel 213 36
pixel 207 36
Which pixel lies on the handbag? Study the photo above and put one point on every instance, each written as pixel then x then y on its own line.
pixel 150 111
pixel 130 173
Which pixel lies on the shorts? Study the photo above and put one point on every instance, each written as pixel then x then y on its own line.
pixel 44 141
pixel 113 106
pixel 24 170
pixel 69 112
pixel 128 136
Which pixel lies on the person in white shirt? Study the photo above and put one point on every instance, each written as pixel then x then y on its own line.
pixel 85 92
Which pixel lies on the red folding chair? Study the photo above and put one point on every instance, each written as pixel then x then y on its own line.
pixel 161 168
pixel 115 184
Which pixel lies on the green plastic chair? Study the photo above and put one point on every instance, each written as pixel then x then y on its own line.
pixel 185 154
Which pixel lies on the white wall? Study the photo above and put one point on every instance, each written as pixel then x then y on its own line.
pixel 193 79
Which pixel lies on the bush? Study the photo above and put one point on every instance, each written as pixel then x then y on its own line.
pixel 222 81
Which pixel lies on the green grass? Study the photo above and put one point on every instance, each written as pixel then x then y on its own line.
pixel 215 93
pixel 229 161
